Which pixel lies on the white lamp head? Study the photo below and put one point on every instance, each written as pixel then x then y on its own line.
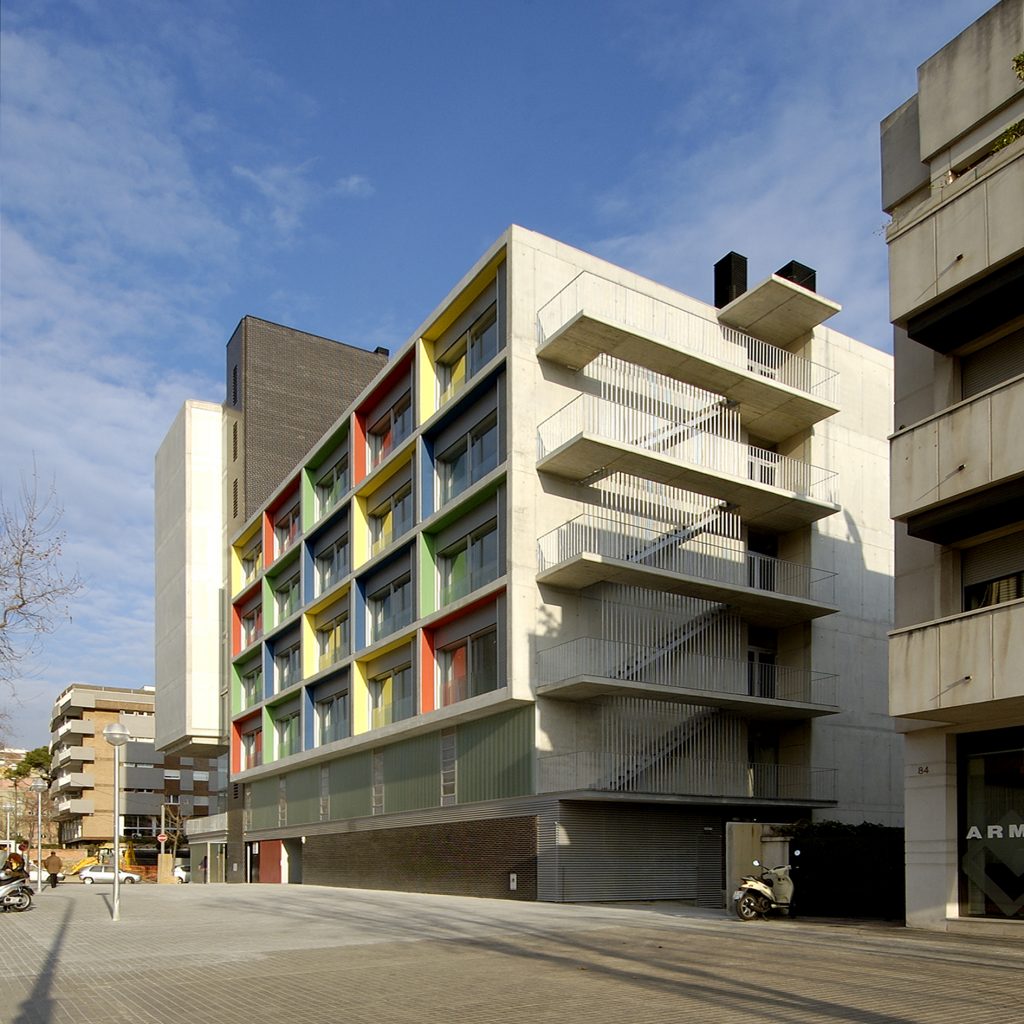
pixel 116 734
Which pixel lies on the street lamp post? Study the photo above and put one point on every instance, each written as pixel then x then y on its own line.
pixel 39 787
pixel 117 736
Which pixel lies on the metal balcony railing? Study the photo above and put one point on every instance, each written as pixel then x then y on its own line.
pixel 605 771
pixel 680 329
pixel 670 667
pixel 675 550
pixel 621 424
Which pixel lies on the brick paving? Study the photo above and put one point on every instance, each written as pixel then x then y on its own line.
pixel 309 955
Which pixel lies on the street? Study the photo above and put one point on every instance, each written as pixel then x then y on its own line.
pixel 256 954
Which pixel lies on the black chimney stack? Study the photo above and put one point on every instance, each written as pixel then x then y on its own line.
pixel 799 274
pixel 730 278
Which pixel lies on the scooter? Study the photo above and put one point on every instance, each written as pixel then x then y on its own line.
pixel 15 894
pixel 758 895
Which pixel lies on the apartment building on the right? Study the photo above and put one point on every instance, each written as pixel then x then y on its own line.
pixel 953 184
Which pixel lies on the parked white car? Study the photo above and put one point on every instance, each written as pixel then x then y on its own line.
pixel 32 874
pixel 182 874
pixel 105 873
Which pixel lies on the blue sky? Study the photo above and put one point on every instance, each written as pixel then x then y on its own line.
pixel 169 167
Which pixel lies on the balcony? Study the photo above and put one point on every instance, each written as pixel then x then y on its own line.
pixel 767 591
pixel 658 775
pixel 74 781
pixel 73 808
pixel 592 435
pixel 954 475
pixel 460 585
pixel 73 755
pixel 590 667
pixel 75 727
pixel 779 394
pixel 961 669
pixel 394 711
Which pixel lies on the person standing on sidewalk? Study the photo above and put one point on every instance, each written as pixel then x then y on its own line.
pixel 53 864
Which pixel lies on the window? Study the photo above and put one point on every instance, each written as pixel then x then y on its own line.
pixel 252 563
pixel 468 667
pixel 469 459
pixel 234 499
pixel 332 718
pixel 200 776
pixel 390 430
pixel 252 626
pixel 463 359
pixel 286 529
pixel 234 441
pixel 252 748
pixel 332 485
pixel 234 385
pixel 469 563
pixel 287 598
pixel 391 607
pixel 333 641
pixel 287 729
pixel 332 565
pixel 982 595
pixel 391 519
pixel 391 697
pixel 252 687
pixel 286 667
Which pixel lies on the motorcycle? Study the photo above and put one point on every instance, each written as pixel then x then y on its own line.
pixel 759 895
pixel 15 894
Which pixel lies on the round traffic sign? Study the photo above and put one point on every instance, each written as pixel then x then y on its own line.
pixel 162 838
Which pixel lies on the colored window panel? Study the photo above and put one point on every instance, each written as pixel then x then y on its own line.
pixel 333 641
pixel 392 697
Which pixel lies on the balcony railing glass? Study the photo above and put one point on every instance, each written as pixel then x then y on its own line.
pixel 685 331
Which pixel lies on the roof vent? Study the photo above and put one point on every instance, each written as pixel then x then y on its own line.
pixel 730 278
pixel 799 274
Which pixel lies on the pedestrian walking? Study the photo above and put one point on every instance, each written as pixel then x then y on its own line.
pixel 53 864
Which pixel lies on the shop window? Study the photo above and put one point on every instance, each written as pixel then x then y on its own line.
pixel 392 698
pixel 468 667
pixel 468 460
pixel 469 563
pixel 990 790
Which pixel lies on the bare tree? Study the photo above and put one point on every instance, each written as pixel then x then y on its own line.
pixel 34 588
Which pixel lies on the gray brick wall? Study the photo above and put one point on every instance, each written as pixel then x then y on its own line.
pixel 460 858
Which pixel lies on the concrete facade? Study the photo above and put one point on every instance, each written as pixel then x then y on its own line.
pixel 953 183
pixel 591 562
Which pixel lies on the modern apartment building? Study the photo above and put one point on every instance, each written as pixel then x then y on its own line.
pixel 588 570
pixel 953 183
pixel 83 769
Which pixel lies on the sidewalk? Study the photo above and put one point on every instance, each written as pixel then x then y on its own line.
pixel 306 955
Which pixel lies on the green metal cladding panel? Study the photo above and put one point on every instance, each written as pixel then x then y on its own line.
pixel 349 780
pixel 412 774
pixel 427 573
pixel 496 757
pixel 303 792
pixel 263 802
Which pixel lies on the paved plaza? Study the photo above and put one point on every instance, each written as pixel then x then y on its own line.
pixel 306 955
